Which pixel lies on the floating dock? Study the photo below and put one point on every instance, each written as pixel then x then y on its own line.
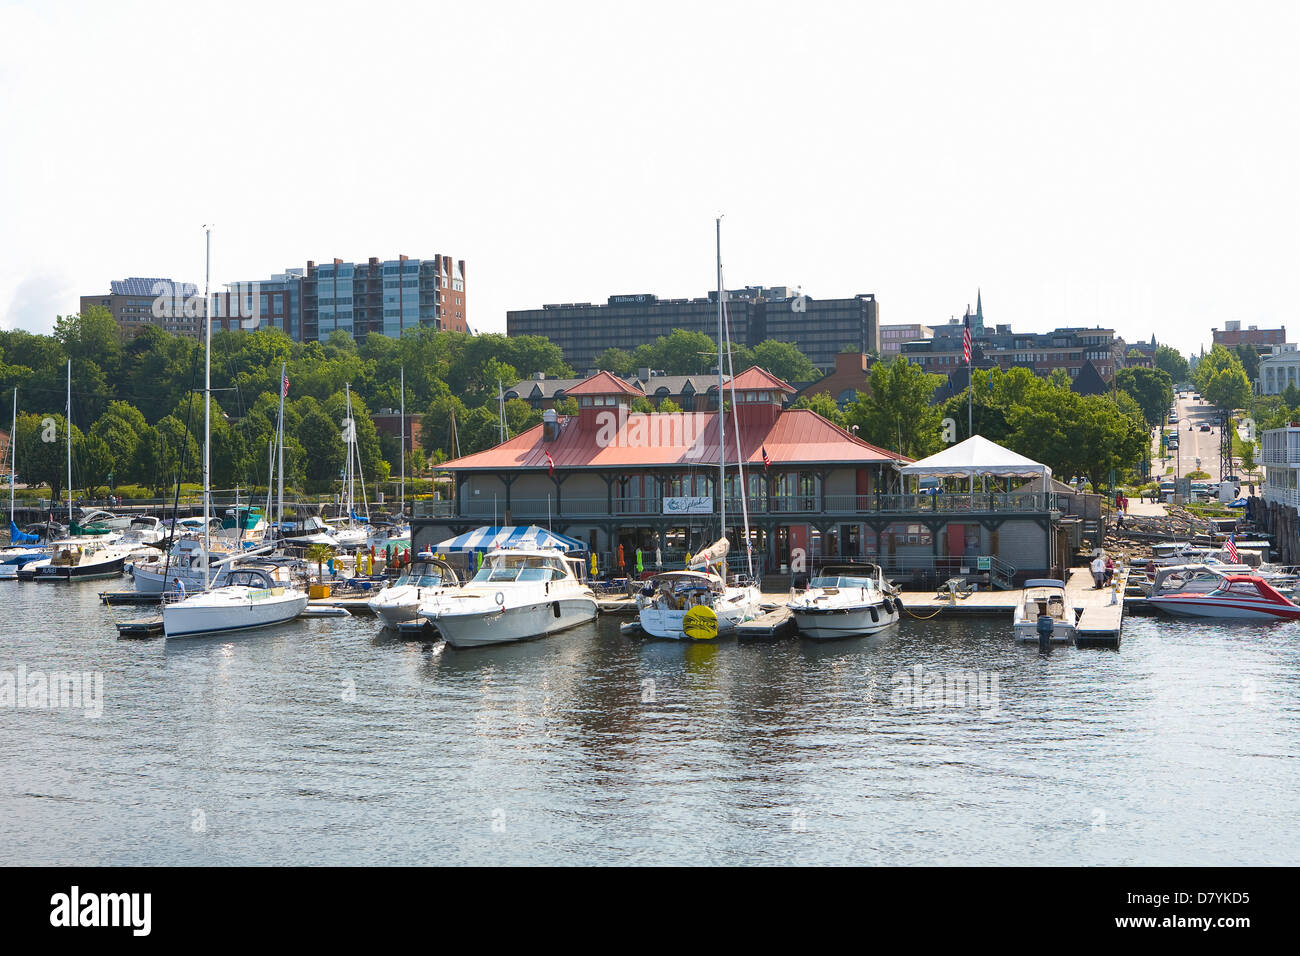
pixel 773 624
pixel 140 627
pixel 618 605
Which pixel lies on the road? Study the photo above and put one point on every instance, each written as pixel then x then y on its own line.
pixel 1193 443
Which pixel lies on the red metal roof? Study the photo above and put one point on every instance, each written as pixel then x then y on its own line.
pixel 754 378
pixel 604 383
pixel 687 439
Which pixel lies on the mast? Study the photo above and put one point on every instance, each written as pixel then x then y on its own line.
pixel 722 418
pixel 13 459
pixel 67 416
pixel 401 427
pixel 279 438
pixel 351 428
pixel 207 397
pixel 740 457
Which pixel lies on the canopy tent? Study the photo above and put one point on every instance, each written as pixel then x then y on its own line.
pixel 510 536
pixel 978 456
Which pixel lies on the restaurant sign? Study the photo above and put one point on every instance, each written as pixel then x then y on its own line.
pixel 689 505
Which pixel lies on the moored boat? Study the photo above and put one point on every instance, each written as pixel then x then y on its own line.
pixel 845 601
pixel 1211 594
pixel 1045 597
pixel 424 581
pixel 250 599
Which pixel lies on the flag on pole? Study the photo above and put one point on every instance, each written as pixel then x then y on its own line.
pixel 550 464
pixel 767 462
pixel 1232 549
pixel 284 385
pixel 965 338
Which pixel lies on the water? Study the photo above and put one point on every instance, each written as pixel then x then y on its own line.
pixel 1179 749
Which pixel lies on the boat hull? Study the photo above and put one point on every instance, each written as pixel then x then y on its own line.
pixel 510 624
pixel 200 619
pixel 667 623
pixel 824 624
pixel 1027 631
pixel 1196 606
pixel 90 571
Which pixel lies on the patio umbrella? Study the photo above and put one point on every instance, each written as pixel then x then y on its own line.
pixel 659 558
pixel 639 567
pixel 594 572
pixel 622 562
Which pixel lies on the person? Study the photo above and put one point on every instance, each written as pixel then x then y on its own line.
pixel 179 587
pixel 1119 520
pixel 1098 571
pixel 1110 571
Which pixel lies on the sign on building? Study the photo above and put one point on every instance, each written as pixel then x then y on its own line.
pixel 689 505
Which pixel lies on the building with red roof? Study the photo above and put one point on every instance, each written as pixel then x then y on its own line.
pixel 612 478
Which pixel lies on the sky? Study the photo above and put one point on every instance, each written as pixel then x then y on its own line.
pixel 1129 165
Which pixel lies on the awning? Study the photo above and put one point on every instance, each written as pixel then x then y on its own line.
pixel 510 536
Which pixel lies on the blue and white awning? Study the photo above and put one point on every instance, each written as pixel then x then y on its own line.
pixel 510 536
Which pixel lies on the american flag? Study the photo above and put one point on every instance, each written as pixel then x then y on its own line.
pixel 965 339
pixel 284 385
pixel 767 462
pixel 550 464
pixel 1232 549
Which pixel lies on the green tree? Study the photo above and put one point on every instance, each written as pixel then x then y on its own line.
pixel 1172 362
pixel 895 410
pixel 95 463
pixel 1151 388
pixel 322 441
pixel 784 361
pixel 1228 389
pixel 167 452
pixel 617 361
pixel 823 403
pixel 120 428
pixel 41 444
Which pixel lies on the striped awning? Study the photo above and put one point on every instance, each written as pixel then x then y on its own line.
pixel 510 536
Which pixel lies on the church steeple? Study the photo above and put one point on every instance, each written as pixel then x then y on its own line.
pixel 977 320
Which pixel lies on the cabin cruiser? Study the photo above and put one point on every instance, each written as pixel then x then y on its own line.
pixel 24 548
pixel 424 581
pixel 79 559
pixel 250 598
pixel 304 532
pixel 518 594
pixel 1045 597
pixel 1200 591
pixel 696 604
pixel 845 601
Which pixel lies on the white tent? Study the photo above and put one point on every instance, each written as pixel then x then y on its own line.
pixel 978 456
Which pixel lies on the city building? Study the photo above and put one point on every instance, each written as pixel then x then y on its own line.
pixel 844 382
pixel 819 328
pixel 892 337
pixel 617 479
pixel 1233 335
pixel 132 303
pixel 1040 352
pixel 1278 369
pixel 387 297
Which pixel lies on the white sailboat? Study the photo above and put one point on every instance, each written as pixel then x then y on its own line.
pixel 699 603
pixel 519 594
pixel 251 598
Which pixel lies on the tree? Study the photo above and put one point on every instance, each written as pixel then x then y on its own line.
pixel 41 444
pixel 566 406
pixel 1291 395
pixel 120 428
pixel 617 361
pixel 1228 389
pixel 784 361
pixel 1171 361
pixel 823 403
pixel 323 443
pixel 1151 388
pixel 95 463
pixel 1248 355
pixel 167 452
pixel 895 410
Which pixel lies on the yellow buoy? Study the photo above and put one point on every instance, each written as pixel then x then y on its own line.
pixel 700 623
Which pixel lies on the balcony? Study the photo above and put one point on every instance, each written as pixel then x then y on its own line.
pixel 803 507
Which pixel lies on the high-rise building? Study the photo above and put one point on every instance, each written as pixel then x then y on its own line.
pixel 820 328
pixel 135 303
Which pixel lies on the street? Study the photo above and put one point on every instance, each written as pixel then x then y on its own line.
pixel 1193 442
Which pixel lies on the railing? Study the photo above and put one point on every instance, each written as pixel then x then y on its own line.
pixel 480 506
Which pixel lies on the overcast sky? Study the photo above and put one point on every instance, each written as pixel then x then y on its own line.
pixel 1130 165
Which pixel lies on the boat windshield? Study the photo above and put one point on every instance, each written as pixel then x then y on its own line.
pixel 841 581
pixel 520 567
pixel 421 576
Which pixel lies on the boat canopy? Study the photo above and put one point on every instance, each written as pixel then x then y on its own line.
pixel 20 537
pixel 1044 583
pixel 494 537
pixel 978 456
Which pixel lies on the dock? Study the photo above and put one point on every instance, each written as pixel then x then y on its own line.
pixel 773 624
pixel 618 605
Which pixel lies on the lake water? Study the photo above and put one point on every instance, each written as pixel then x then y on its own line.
pixel 329 741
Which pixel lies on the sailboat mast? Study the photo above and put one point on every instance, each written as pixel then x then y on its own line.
pixel 13 459
pixel 207 397
pixel 279 437
pixel 401 427
pixel 67 420
pixel 722 418
pixel 351 430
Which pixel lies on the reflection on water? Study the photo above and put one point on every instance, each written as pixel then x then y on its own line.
pixel 330 741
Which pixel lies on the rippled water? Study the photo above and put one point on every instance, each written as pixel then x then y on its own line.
pixel 1180 748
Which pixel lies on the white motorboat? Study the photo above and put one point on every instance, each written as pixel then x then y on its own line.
pixel 249 599
pixel 306 531
pixel 1203 592
pixel 1045 597
pixel 517 595
pixel 424 581
pixel 846 601
pixel 81 559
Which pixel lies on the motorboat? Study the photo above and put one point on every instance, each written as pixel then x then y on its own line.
pixel 1200 591
pixel 517 595
pixel 249 599
pixel 846 601
pixel 1045 597
pixel 306 531
pixel 80 559
pixel 424 581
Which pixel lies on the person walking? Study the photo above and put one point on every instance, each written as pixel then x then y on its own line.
pixel 1098 568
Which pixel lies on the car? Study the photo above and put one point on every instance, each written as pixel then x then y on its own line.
pixel 1206 428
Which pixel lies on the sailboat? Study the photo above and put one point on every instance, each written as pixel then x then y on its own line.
pixel 699 604
pixel 23 548
pixel 352 530
pixel 251 598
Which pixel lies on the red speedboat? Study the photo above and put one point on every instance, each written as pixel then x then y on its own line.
pixel 1235 596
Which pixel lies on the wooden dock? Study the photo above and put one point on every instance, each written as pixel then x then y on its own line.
pixel 1102 619
pixel 773 624
pixel 618 605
